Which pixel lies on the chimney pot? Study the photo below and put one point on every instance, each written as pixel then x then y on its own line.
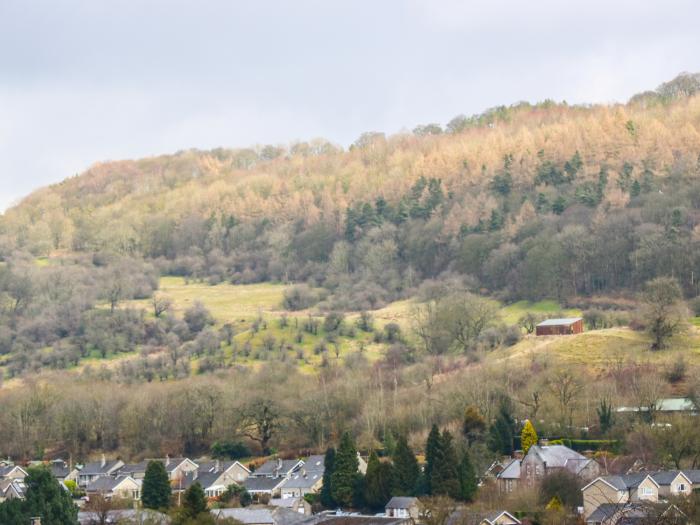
pixel 103 462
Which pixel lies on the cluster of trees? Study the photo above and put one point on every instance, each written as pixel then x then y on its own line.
pixel 447 473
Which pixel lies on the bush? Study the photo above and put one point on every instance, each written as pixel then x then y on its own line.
pixel 230 450
pixel 299 297
pixel 198 317
pixel 333 321
pixel 675 373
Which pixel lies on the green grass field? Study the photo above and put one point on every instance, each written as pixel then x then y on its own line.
pixel 512 312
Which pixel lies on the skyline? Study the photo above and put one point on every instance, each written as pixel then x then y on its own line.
pixel 87 82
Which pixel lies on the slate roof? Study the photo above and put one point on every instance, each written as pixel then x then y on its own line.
pixel 557 455
pixel 511 470
pixel 315 463
pixel 4 471
pixel 59 469
pixel 277 468
pixel 139 516
pixel 253 484
pixel 560 321
pixel 205 479
pixel 9 485
pixel 625 481
pixel 261 515
pixel 400 502
pixel 104 483
pixel 133 468
pixel 303 479
pixel 98 468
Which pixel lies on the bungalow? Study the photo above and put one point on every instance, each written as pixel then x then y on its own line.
pixel 305 480
pixel 261 486
pixel 92 471
pixel 278 468
pixel 235 470
pixel 403 507
pixel 122 487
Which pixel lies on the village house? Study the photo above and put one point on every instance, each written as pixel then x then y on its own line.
pixel 563 326
pixel 403 507
pixel 298 505
pixel 12 489
pixel 119 487
pixel 12 472
pixel 305 480
pixel 214 477
pixel 270 477
pixel 92 471
pixel 609 496
pixel 541 460
pixel 499 517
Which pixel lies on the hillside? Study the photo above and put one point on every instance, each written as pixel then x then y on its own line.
pixel 381 288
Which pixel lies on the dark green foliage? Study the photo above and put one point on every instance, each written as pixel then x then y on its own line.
pixel 230 450
pixel 345 473
pixel 194 502
pixel 45 498
pixel 605 415
pixel 502 430
pixel 444 475
pixel 432 452
pixel 327 489
pixel 377 484
pixel 156 491
pixel 406 470
pixel 467 478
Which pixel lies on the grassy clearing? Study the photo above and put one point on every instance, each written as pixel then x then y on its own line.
pixel 226 302
pixel 512 312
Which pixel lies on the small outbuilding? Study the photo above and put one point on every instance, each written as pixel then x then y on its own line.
pixel 564 326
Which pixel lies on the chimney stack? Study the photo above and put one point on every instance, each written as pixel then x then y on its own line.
pixel 217 466
pixel 35 520
pixel 167 460
pixel 103 462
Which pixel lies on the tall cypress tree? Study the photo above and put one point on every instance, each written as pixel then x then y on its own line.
pixel 326 496
pixel 502 430
pixel 444 477
pixel 155 491
pixel 345 474
pixel 432 450
pixel 406 470
pixel 377 486
pixel 467 478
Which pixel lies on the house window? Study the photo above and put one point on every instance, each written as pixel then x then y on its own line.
pixel 647 491
pixel 681 487
pixel 538 470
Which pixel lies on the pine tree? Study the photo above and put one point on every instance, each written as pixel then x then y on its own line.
pixel 155 491
pixel 406 470
pixel 377 486
pixel 528 436
pixel 44 498
pixel 467 478
pixel 444 477
pixel 194 501
pixel 432 450
pixel 326 496
pixel 345 474
pixel 502 430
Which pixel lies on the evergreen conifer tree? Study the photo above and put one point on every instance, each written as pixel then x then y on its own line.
pixel 432 450
pixel 406 470
pixel 444 477
pixel 326 495
pixel 45 498
pixel 194 501
pixel 467 478
pixel 528 436
pixel 155 491
pixel 502 430
pixel 345 474
pixel 377 486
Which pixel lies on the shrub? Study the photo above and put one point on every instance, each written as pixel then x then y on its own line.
pixel 299 297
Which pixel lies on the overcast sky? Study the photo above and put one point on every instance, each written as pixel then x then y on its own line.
pixel 85 81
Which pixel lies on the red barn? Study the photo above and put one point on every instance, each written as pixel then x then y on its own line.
pixel 566 326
